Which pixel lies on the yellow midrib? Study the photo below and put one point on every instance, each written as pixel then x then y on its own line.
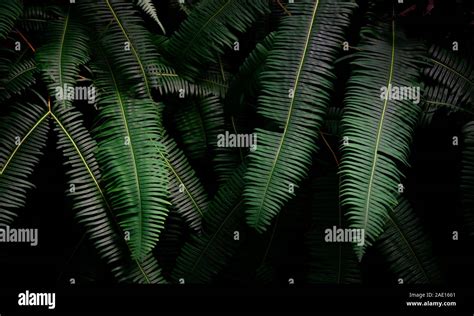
pixel 236 207
pixel 95 181
pixel 379 134
pixel 180 181
pixel 21 142
pixel 145 78
pixel 78 152
pixel 185 50
pixel 61 47
pixel 132 152
pixel 80 155
pixel 18 74
pixel 290 111
pixel 408 245
pixel 452 70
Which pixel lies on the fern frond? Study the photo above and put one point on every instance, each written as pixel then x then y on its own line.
pixel 127 43
pixel 24 133
pixel 167 81
pixel 89 200
pixel 10 10
pixel 450 84
pixel 407 248
pixel 135 178
pixel 330 262
pixel 66 48
pixel 246 81
pixel 452 71
pixel 211 27
pixel 378 129
pixel 188 196
pixel 149 8
pixel 148 272
pixel 296 88
pixel 16 75
pixel 198 123
pixel 204 256
pixel 35 18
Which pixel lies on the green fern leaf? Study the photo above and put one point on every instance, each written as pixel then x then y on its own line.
pixel 407 248
pixel 135 178
pixel 330 262
pixel 204 256
pixel 17 74
pixel 10 10
pixel 296 88
pixel 35 18
pixel 188 196
pixel 450 83
pixel 66 48
pixel 452 71
pixel 377 130
pixel 149 8
pixel 148 272
pixel 85 189
pixel 246 81
pixel 209 29
pixel 198 124
pixel 24 133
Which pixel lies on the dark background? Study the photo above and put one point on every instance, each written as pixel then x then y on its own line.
pixel 432 186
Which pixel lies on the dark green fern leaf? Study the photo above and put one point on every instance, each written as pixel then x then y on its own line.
pixel 23 137
pixel 66 48
pixel 210 28
pixel 450 84
pixel 377 130
pixel 10 10
pixel 84 187
pixel 135 177
pixel 16 75
pixel 127 43
pixel 188 196
pixel 35 18
pixel 330 262
pixel 204 256
pixel 452 71
pixel 148 272
pixel 296 88
pixel 148 7
pixel 407 248
pixel 199 122
pixel 246 81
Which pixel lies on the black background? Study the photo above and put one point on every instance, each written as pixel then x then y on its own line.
pixel 432 186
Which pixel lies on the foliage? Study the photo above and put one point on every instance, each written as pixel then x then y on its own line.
pixel 147 97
